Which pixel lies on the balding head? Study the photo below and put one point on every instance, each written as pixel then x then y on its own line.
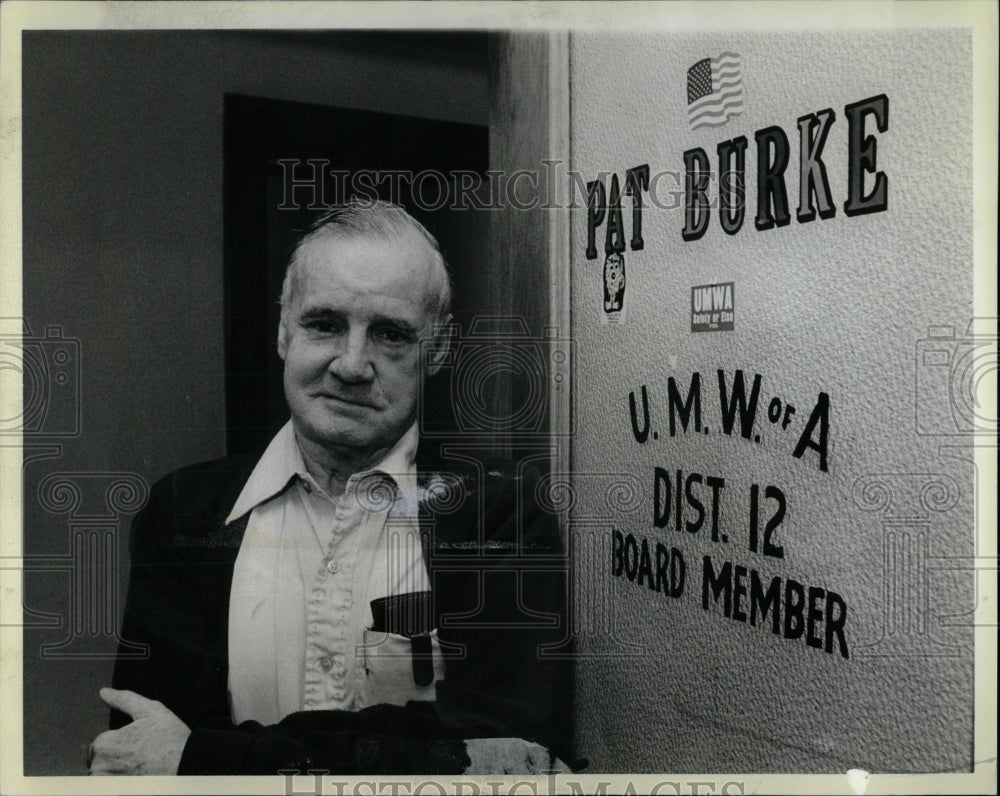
pixel 379 220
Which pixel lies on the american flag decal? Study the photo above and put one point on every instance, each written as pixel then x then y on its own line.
pixel 714 90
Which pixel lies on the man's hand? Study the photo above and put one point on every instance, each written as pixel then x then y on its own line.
pixel 151 744
pixel 511 756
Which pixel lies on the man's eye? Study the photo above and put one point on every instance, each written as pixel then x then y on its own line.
pixel 393 336
pixel 322 326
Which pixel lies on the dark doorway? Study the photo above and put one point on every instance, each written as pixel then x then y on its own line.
pixel 287 161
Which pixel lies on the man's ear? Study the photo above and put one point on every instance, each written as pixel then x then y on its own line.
pixel 282 337
pixel 439 348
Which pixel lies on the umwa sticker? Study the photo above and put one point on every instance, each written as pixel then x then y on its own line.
pixel 712 307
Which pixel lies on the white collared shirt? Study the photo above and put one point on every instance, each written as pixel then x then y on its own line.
pixel 308 567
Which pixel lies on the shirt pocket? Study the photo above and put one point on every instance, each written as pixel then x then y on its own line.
pixel 398 669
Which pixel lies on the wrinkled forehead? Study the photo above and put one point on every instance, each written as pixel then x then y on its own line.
pixel 402 262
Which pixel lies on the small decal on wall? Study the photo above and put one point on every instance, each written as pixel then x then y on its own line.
pixel 614 289
pixel 714 90
pixel 713 307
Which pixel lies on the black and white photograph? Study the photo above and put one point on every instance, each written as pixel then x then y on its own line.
pixel 342 452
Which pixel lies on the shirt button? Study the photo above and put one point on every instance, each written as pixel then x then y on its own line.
pixel 325 664
pixel 333 567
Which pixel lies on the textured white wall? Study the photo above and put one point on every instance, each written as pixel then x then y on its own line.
pixel 835 306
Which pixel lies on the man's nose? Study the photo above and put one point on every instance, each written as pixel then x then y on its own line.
pixel 352 363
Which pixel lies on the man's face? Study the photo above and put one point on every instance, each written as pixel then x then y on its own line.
pixel 351 340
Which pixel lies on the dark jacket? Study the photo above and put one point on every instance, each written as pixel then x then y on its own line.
pixel 499 593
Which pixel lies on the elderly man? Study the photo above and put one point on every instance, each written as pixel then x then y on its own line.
pixel 335 605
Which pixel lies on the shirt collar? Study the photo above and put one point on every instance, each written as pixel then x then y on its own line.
pixel 399 464
pixel 282 462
